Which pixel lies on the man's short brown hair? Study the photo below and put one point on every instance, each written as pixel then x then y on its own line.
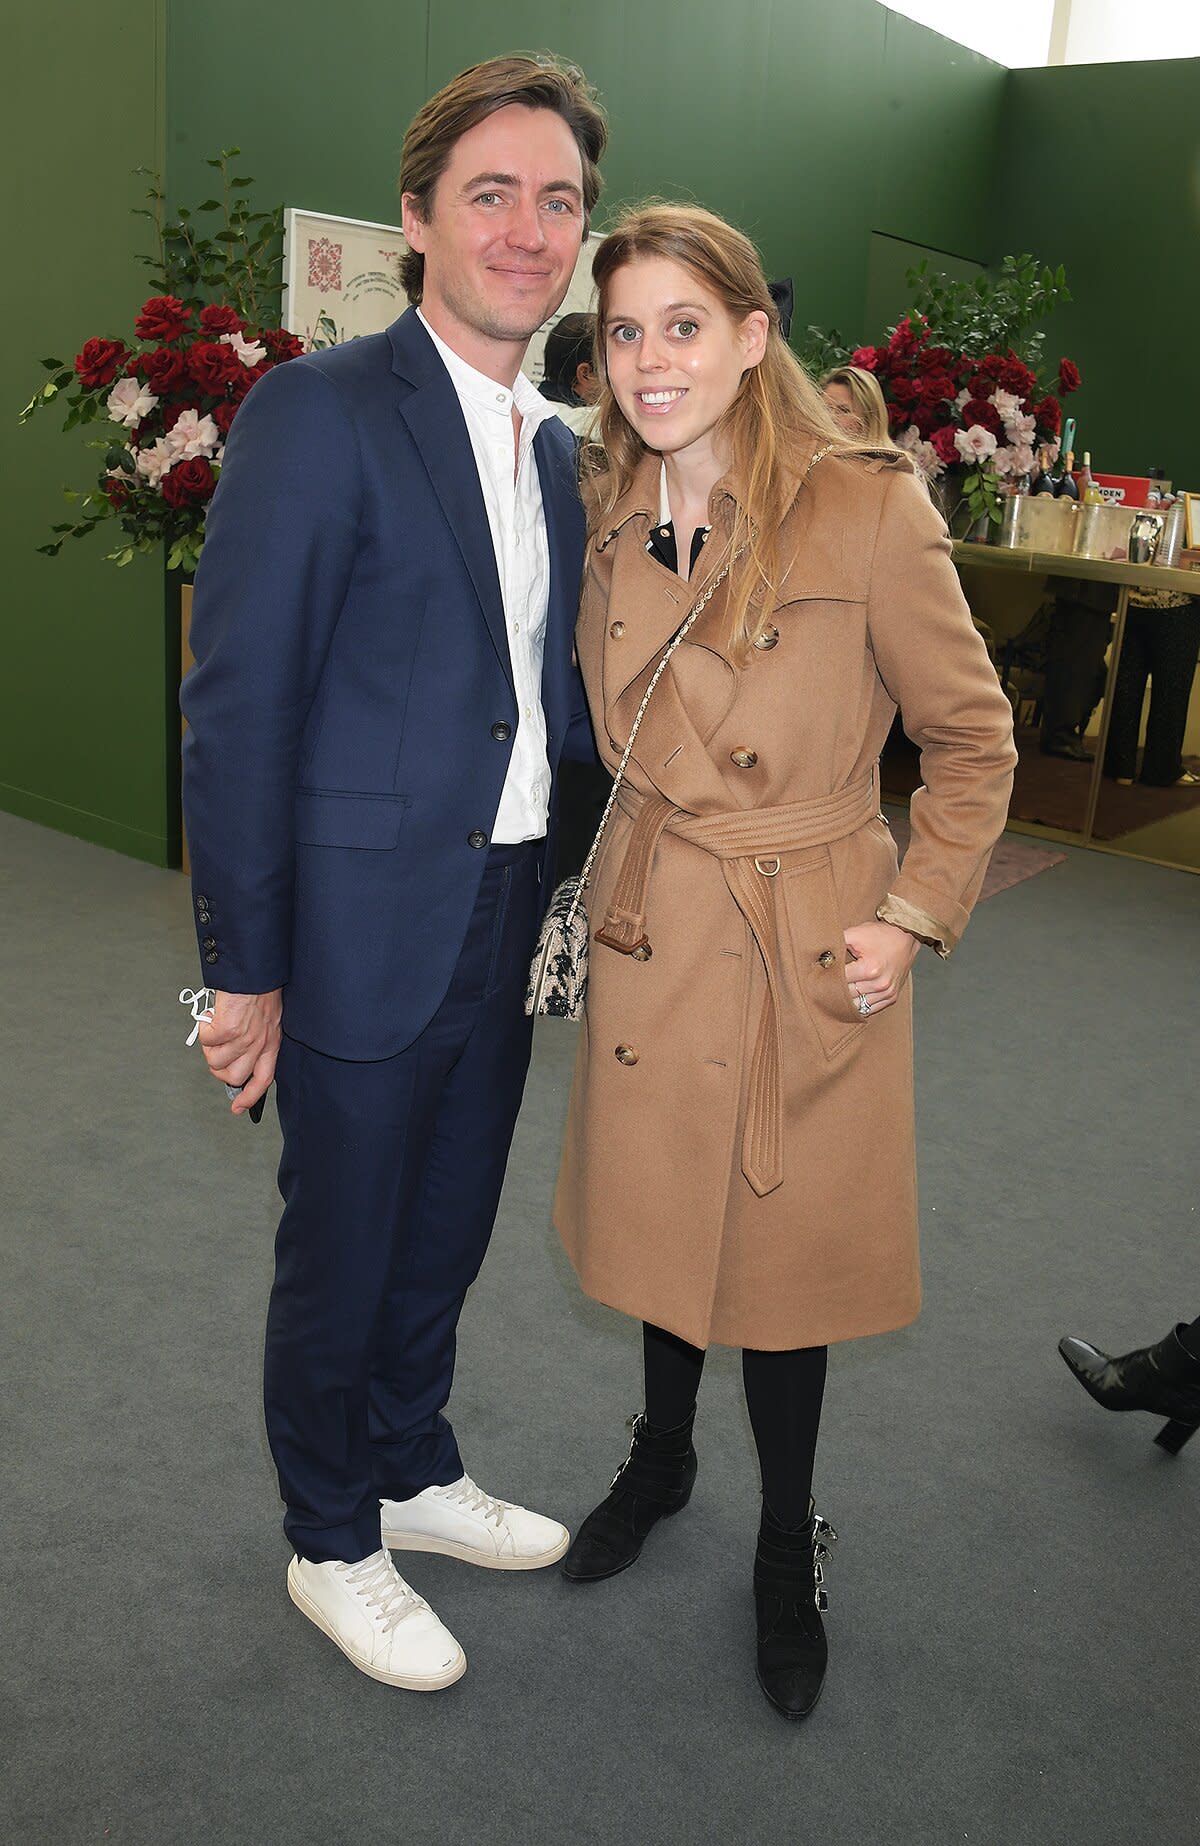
pixel 534 83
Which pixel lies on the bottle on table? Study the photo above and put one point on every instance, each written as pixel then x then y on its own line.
pixel 1091 492
pixel 1065 487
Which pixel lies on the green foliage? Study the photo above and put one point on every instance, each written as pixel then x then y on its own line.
pixel 239 263
pixel 991 313
pixel 821 349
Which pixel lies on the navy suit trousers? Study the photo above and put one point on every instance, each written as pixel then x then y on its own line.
pixel 391 1175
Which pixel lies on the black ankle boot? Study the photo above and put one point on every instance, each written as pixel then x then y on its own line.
pixel 790 1600
pixel 1164 1379
pixel 654 1482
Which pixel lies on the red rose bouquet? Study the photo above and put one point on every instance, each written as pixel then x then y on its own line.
pixel 173 391
pixel 960 377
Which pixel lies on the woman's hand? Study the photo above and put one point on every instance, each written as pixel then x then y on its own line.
pixel 883 955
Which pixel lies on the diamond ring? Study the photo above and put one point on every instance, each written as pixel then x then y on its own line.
pixel 863 1004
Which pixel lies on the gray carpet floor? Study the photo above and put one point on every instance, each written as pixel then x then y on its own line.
pixel 1013 1628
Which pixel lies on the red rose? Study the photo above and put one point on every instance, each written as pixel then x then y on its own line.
pixel 1068 377
pixel 219 319
pixel 943 441
pixel 188 482
pixel 281 344
pixel 223 415
pixel 866 358
pixel 165 371
pixel 927 418
pixel 904 390
pixel 116 492
pixel 213 365
pixel 907 336
pixel 1015 377
pixel 245 376
pixel 162 318
pixel 898 417
pixel 940 357
pixel 99 363
pixel 1049 414
pixel 936 386
pixel 986 415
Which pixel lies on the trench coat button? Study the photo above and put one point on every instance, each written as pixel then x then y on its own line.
pixel 477 838
pixel 745 759
pixel 625 1054
pixel 502 732
pixel 211 955
pixel 643 952
pixel 768 638
pixel 614 745
pixel 617 630
pixel 826 958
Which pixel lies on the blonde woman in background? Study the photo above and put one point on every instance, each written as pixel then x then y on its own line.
pixel 739 1161
pixel 856 401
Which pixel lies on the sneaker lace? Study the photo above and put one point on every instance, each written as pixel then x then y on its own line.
pixel 466 1493
pixel 379 1584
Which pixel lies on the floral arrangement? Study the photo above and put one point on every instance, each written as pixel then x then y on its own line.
pixel 960 376
pixel 173 392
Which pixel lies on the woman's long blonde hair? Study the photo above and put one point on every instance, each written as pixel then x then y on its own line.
pixel 772 425
pixel 870 406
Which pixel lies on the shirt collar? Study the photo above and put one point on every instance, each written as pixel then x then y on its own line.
pixel 487 393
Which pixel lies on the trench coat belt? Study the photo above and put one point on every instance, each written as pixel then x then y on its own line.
pixel 738 839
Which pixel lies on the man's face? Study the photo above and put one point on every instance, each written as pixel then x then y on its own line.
pixel 505 227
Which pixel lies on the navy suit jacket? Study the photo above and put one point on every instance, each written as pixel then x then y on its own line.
pixel 351 711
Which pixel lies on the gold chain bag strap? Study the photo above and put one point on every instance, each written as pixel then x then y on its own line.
pixel 558 974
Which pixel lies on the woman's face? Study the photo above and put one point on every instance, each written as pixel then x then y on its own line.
pixel 841 403
pixel 675 358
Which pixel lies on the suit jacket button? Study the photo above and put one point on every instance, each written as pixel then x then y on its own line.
pixel 625 1054
pixel 617 630
pixel 476 838
pixel 210 955
pixel 502 732
pixel 768 638
pixel 826 958
pixel 745 759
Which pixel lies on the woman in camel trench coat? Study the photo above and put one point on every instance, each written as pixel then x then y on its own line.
pixel 739 1160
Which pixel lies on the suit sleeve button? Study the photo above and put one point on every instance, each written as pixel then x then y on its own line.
pixel 202 916
pixel 210 942
pixel 477 839
pixel 625 1054
pixel 502 732
pixel 211 955
pixel 201 903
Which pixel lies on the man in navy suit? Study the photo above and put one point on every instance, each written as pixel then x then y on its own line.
pixel 384 687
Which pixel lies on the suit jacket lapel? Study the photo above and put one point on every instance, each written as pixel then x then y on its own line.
pixel 435 419
pixel 564 538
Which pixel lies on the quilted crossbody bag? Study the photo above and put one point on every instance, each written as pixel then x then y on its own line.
pixel 558 974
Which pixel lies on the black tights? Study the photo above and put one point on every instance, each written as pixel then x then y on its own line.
pixel 783 1395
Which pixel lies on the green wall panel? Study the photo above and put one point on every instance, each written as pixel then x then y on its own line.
pixel 1099 168
pixel 83 718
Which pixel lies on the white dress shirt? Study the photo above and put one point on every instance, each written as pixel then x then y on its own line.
pixel 513 498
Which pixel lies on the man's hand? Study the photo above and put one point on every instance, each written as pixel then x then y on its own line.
pixel 241 1043
pixel 883 955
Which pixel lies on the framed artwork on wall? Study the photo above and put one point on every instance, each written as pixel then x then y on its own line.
pixel 343 274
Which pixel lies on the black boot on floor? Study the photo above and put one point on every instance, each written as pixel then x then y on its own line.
pixel 1163 1379
pixel 655 1482
pixel 790 1600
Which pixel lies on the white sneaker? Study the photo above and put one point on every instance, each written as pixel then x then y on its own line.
pixel 461 1522
pixel 380 1624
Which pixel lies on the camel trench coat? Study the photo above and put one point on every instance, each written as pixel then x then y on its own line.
pixel 739 1156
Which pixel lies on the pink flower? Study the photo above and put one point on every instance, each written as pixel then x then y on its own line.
pixel 129 402
pixel 250 352
pixel 975 444
pixel 155 461
pixel 191 435
pixel 928 460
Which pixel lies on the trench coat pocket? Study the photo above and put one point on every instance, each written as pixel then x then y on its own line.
pixel 814 929
pixel 327 817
